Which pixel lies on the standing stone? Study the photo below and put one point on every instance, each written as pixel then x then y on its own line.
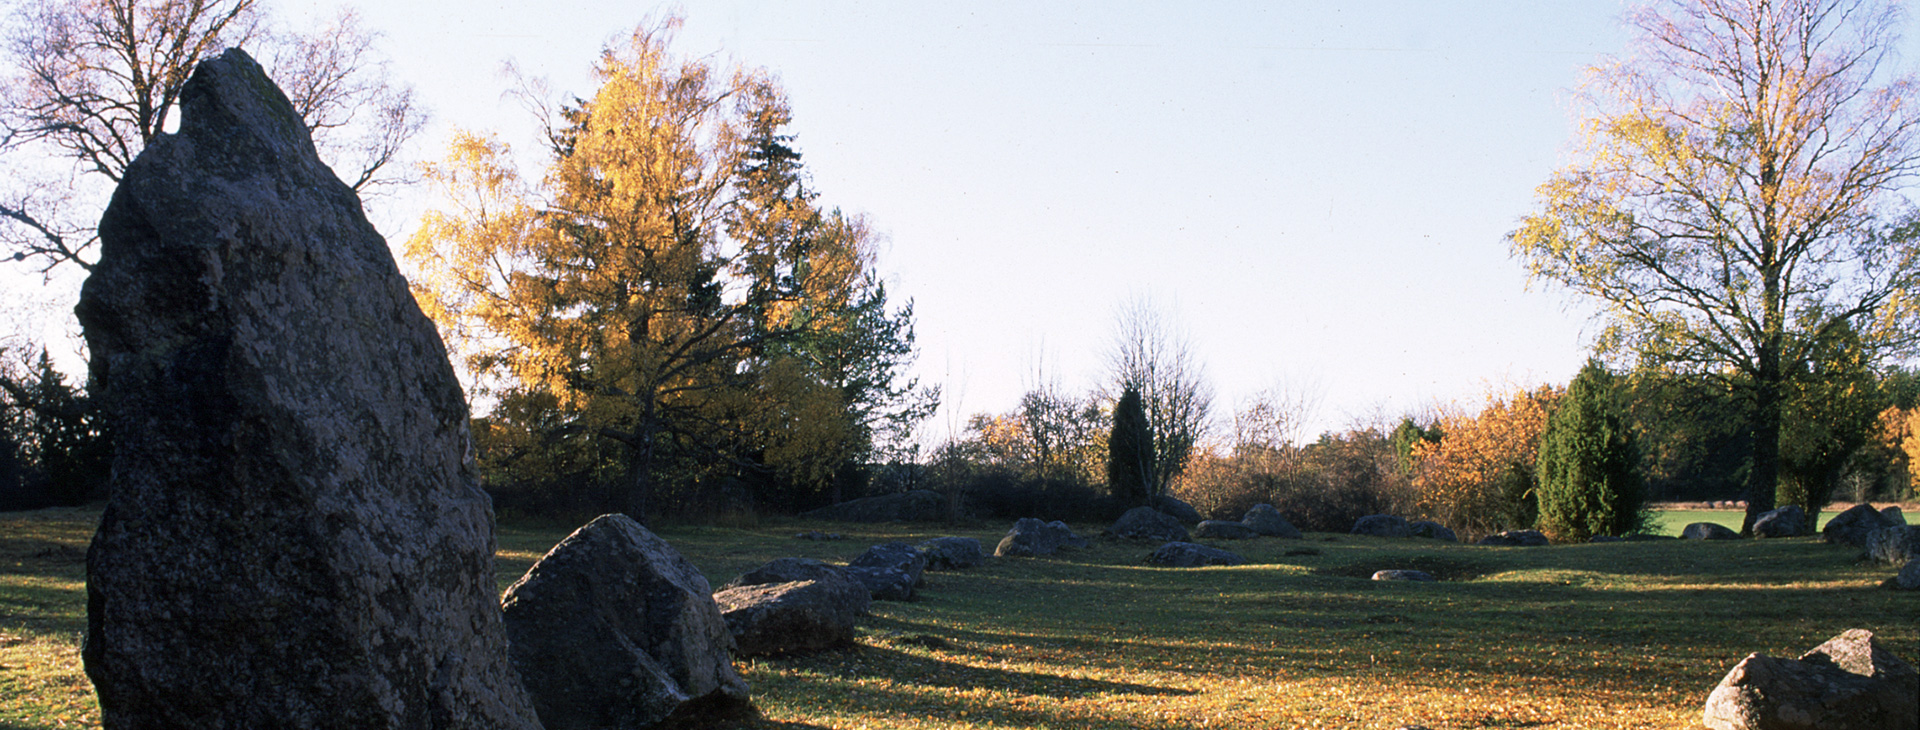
pixel 613 628
pixel 294 536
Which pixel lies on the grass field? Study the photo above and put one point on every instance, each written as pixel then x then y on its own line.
pixel 1623 635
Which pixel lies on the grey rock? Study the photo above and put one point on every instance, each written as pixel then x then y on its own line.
pixel 1223 530
pixel 1410 575
pixel 952 553
pixel 1432 531
pixel 1181 511
pixel 1146 523
pixel 1894 545
pixel 1708 531
pixel 1892 514
pixel 1853 525
pixel 1515 538
pixel 784 618
pixel 894 556
pixel 915 506
pixel 793 570
pixel 884 584
pixel 1382 526
pixel 1788 521
pixel 1190 555
pixel 1266 520
pixel 1032 538
pixel 1908 579
pixel 290 450
pixel 614 628
pixel 1847 683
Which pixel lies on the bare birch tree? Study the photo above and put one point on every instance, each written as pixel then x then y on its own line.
pixel 1153 357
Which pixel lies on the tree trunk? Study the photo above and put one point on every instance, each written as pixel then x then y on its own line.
pixel 1764 478
pixel 639 477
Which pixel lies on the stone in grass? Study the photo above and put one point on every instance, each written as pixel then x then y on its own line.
pixel 1190 555
pixel 1180 510
pixel 1432 531
pixel 1030 537
pixel 1788 521
pixel 1892 514
pixel 1847 683
pixel 952 553
pixel 1382 526
pixel 1146 523
pixel 785 618
pixel 1266 520
pixel 1224 530
pixel 1908 579
pixel 790 570
pixel 1515 538
pixel 1410 575
pixel 894 556
pixel 1854 525
pixel 1708 531
pixel 883 584
pixel 1895 545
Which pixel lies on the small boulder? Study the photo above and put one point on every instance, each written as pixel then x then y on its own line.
pixel 1847 683
pixel 1030 537
pixel 1708 531
pixel 916 506
pixel 1223 530
pixel 1181 511
pixel 883 584
pixel 952 553
pixel 1432 531
pixel 1908 579
pixel 1182 554
pixel 1146 523
pixel 1382 526
pixel 894 556
pixel 793 570
pixel 1412 575
pixel 1515 538
pixel 782 618
pixel 1893 515
pixel 1895 545
pixel 1266 520
pixel 1854 525
pixel 1788 521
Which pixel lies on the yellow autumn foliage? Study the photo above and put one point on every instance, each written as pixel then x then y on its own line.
pixel 1469 479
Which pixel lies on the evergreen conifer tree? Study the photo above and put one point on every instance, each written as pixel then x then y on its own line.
pixel 1588 470
pixel 1130 464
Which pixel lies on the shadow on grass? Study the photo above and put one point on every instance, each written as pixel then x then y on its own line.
pixel 931 672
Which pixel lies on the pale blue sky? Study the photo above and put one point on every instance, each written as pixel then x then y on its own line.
pixel 1318 190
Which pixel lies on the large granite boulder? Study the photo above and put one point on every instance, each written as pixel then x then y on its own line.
pixel 294 535
pixel 1432 531
pixel 1147 523
pixel 1224 530
pixel 1708 531
pixel 894 556
pixel 1788 521
pixel 1382 526
pixel 613 628
pixel 1848 683
pixel 919 505
pixel 952 553
pixel 1181 511
pixel 784 618
pixel 1190 555
pixel 1515 538
pixel 1266 520
pixel 1854 525
pixel 1894 545
pixel 1030 537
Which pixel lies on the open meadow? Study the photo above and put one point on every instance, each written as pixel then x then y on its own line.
pixel 1623 635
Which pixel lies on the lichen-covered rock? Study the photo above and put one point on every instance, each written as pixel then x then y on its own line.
pixel 1847 683
pixel 1030 537
pixel 1223 530
pixel 783 618
pixel 1266 520
pixel 1382 526
pixel 1418 576
pixel 793 570
pixel 1190 555
pixel 294 536
pixel 1147 523
pixel 1894 545
pixel 1708 531
pixel 916 506
pixel 1788 521
pixel 894 556
pixel 1853 525
pixel 613 628
pixel 1432 531
pixel 952 553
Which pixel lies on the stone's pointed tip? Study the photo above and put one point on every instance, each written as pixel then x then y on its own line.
pixel 231 94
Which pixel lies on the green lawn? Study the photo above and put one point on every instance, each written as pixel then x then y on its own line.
pixel 1621 635
pixel 1672 521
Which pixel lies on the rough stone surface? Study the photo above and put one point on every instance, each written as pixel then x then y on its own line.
pixel 1030 537
pixel 1892 514
pixel 1908 579
pixel 1146 523
pixel 1412 575
pixel 1432 531
pixel 894 556
pixel 1854 525
pixel 952 553
pixel 294 536
pixel 793 570
pixel 1190 555
pixel 884 584
pixel 1266 520
pixel 1223 530
pixel 1788 521
pixel 1848 683
pixel 1894 545
pixel 613 628
pixel 1515 538
pixel 916 506
pixel 1708 531
pixel 1382 526
pixel 1181 511
pixel 783 618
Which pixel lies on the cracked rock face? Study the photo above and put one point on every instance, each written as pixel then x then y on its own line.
pixel 1848 683
pixel 294 535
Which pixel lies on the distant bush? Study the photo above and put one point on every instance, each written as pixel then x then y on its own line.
pixel 1323 486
